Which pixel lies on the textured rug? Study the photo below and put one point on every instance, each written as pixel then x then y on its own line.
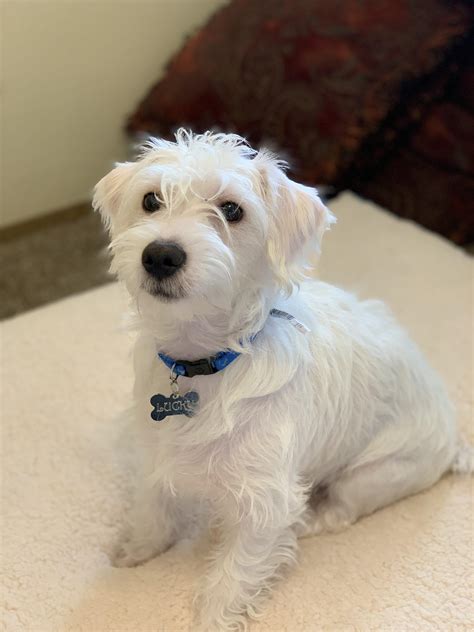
pixel 50 258
pixel 66 375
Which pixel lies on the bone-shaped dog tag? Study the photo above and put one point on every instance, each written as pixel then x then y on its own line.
pixel 174 405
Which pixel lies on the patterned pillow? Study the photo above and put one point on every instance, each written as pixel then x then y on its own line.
pixel 308 77
pixel 430 178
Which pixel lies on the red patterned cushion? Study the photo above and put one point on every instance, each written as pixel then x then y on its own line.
pixel 431 177
pixel 313 77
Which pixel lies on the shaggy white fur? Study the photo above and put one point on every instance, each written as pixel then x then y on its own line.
pixel 299 435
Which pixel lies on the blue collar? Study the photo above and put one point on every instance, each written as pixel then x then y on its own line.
pixel 204 366
pixel 218 362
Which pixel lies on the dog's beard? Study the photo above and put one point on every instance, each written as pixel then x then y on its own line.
pixel 166 289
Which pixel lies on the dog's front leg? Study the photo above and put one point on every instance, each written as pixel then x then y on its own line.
pixel 151 525
pixel 254 540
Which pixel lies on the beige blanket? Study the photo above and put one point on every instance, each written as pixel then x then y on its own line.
pixel 66 375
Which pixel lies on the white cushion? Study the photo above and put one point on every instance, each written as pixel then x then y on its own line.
pixel 66 375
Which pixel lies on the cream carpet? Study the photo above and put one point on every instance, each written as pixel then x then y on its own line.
pixel 66 375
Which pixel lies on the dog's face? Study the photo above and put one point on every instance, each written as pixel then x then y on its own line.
pixel 206 218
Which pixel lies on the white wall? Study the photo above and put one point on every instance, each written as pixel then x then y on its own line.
pixel 71 72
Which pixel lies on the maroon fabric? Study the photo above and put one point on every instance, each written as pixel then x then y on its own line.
pixel 315 80
pixel 417 189
pixel 431 177
pixel 446 138
pixel 312 77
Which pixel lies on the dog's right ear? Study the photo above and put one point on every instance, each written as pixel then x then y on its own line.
pixel 107 192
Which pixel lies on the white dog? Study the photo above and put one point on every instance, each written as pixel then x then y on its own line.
pixel 324 400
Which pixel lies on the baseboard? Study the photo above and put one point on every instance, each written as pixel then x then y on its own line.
pixel 37 223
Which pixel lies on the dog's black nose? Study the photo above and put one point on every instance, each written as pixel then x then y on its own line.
pixel 162 260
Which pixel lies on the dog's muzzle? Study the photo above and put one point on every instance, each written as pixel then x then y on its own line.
pixel 163 259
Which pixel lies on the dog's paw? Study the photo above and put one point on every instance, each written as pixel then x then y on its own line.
pixel 228 606
pixel 222 620
pixel 327 517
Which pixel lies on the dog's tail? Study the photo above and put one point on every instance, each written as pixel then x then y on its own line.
pixel 463 462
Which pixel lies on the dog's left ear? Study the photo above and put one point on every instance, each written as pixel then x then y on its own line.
pixel 298 220
pixel 107 192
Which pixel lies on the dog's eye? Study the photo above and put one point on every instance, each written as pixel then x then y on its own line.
pixel 151 203
pixel 232 211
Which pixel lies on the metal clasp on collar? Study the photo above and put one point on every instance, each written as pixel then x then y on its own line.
pixel 174 381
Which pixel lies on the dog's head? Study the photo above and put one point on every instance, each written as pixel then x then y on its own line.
pixel 203 219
